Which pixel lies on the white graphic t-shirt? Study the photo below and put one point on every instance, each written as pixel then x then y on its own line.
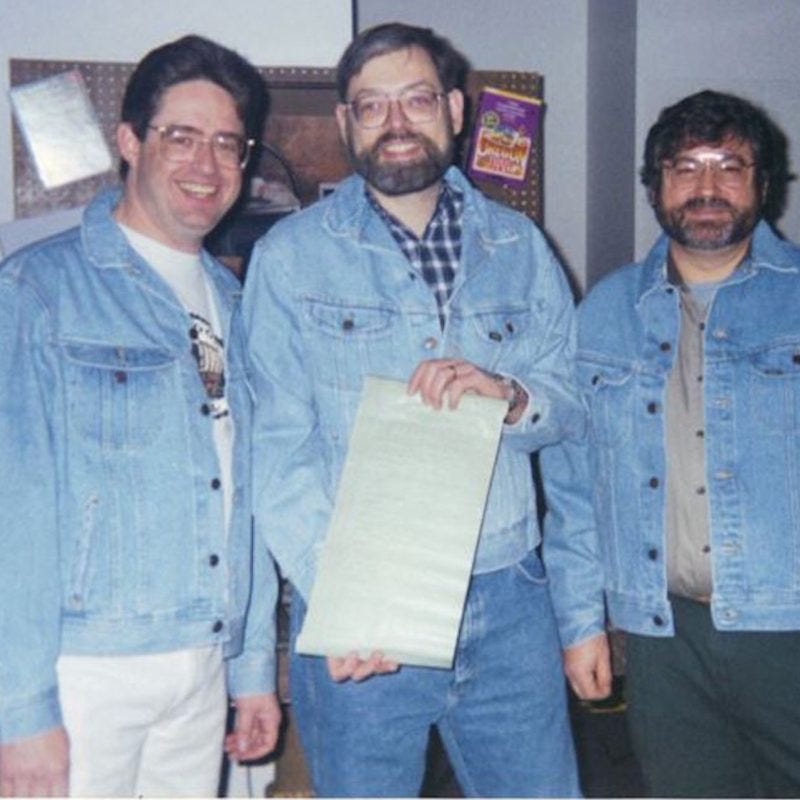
pixel 184 274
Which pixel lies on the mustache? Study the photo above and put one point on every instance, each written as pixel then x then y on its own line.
pixel 403 136
pixel 706 202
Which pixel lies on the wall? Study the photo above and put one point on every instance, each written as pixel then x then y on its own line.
pixel 611 124
pixel 268 32
pixel 741 46
pixel 546 36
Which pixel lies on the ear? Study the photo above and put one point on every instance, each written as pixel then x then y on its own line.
pixel 455 101
pixel 128 144
pixel 341 120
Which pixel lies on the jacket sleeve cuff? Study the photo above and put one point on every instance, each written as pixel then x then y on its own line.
pixel 251 674
pixel 36 715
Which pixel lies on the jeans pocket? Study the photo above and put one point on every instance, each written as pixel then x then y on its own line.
pixel 531 569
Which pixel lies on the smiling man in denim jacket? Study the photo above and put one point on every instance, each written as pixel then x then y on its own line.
pixel 406 271
pixel 689 364
pixel 125 529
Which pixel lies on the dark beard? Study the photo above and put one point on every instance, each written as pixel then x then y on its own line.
pixel 708 235
pixel 398 179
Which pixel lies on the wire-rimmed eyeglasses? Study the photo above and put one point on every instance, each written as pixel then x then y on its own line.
pixel 728 171
pixel 419 105
pixel 179 144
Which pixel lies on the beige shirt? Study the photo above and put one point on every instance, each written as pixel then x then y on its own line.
pixel 687 508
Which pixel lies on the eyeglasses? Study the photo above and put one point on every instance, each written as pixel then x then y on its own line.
pixel 179 144
pixel 728 171
pixel 418 106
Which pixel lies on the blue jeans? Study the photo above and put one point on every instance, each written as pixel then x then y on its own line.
pixel 501 711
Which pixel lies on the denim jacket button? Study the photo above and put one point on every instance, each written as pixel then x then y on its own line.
pixel 217 626
pixel 658 620
pixel 213 560
pixel 653 482
pixel 652 553
pixel 205 409
pixel 216 483
pixel 652 408
pixel 120 376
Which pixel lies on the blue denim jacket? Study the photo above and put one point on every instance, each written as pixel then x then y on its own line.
pixel 330 298
pixel 628 331
pixel 111 530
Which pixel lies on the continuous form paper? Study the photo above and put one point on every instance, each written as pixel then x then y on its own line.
pixel 58 123
pixel 395 566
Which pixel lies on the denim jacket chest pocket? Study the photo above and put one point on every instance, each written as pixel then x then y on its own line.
pixel 489 337
pixel 773 387
pixel 115 394
pixel 610 391
pixel 351 340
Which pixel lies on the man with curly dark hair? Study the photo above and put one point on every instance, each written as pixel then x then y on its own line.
pixel 680 508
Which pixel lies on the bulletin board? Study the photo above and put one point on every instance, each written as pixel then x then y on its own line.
pixel 300 130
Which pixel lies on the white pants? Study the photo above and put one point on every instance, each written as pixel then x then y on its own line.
pixel 144 725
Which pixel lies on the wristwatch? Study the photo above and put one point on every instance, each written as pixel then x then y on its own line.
pixel 515 394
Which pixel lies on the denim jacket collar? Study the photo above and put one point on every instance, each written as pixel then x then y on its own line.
pixel 107 248
pixel 350 214
pixel 767 252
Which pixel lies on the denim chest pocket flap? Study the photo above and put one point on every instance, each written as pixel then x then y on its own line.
pixel 774 387
pixel 502 325
pixel 117 396
pixel 348 321
pixel 489 335
pixel 610 392
pixel 350 340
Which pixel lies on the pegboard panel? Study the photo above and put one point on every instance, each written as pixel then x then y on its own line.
pixel 105 83
pixel 300 126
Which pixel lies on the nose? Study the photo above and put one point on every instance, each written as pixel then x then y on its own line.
pixel 397 118
pixel 204 157
pixel 707 182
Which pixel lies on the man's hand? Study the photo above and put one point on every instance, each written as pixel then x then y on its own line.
pixel 351 667
pixel 255 727
pixel 588 668
pixel 36 767
pixel 432 379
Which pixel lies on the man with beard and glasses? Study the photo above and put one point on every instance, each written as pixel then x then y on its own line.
pixel 683 500
pixel 406 271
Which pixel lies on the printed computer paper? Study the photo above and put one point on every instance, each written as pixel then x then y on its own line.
pixel 395 566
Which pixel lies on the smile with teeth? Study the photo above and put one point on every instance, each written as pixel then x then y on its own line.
pixel 400 146
pixel 198 189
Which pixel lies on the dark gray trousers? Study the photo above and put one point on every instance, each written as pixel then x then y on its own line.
pixel 715 714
